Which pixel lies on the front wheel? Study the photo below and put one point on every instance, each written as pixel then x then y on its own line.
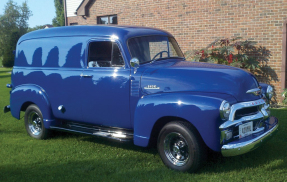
pixel 34 123
pixel 180 147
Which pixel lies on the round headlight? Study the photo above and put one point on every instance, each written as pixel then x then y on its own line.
pixel 269 92
pixel 224 110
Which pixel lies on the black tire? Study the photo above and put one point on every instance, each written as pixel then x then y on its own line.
pixel 34 123
pixel 181 147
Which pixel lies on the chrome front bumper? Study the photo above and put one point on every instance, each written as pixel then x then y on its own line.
pixel 237 146
pixel 251 142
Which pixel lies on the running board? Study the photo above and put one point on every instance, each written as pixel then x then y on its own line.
pixel 112 133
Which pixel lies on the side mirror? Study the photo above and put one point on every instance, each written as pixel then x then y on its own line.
pixel 135 62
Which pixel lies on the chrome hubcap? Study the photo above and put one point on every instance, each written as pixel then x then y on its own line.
pixel 176 149
pixel 35 123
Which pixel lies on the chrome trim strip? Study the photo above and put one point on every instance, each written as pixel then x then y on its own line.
pixel 65 129
pixel 107 134
pixel 96 130
pixel 151 88
pixel 244 147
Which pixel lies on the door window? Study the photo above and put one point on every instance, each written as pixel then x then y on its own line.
pixel 105 54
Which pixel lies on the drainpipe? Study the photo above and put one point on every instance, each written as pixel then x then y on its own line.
pixel 65 12
pixel 284 57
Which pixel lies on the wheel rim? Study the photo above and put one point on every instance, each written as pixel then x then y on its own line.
pixel 35 123
pixel 176 149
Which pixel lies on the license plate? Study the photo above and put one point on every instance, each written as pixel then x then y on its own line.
pixel 245 129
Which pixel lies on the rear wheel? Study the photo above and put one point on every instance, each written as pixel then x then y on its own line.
pixel 180 147
pixel 34 123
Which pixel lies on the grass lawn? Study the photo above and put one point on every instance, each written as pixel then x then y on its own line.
pixel 71 157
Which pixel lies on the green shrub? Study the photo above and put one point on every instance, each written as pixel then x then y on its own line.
pixel 284 95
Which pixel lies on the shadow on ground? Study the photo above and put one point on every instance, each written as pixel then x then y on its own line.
pixel 215 163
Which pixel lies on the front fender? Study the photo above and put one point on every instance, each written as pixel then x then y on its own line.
pixel 202 111
pixel 30 93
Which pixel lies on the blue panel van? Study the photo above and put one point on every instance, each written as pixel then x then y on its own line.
pixel 133 83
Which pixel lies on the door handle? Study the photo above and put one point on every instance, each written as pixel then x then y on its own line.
pixel 86 76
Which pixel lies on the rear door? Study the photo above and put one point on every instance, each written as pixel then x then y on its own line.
pixel 106 85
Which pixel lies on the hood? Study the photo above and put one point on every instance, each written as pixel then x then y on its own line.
pixel 180 76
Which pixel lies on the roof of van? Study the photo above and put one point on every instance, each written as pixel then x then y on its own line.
pixel 123 32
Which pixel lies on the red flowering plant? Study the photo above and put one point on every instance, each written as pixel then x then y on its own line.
pixel 233 52
pixel 243 54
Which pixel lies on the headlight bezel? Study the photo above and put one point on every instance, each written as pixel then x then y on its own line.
pixel 224 110
pixel 269 92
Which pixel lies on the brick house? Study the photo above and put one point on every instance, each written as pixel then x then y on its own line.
pixel 196 23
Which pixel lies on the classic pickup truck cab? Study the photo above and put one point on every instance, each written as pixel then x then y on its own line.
pixel 133 83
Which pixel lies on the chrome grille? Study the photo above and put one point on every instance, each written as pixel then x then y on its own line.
pixel 246 112
pixel 253 111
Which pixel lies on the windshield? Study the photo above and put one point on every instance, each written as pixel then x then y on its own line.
pixel 152 48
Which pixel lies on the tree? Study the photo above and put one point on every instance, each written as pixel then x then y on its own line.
pixel 13 24
pixel 59 20
pixel 8 56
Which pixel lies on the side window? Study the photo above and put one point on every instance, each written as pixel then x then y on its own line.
pixel 105 54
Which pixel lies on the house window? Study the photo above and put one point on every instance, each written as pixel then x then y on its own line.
pixel 71 24
pixel 110 19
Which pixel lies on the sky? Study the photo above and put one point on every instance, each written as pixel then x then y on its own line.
pixel 43 11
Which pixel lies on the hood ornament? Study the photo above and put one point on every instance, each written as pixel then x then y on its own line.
pixel 255 91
